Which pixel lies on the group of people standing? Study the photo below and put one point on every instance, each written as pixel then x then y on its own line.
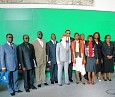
pixel 87 58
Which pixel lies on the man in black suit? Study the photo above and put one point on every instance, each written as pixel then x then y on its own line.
pixel 26 55
pixel 69 40
pixel 51 52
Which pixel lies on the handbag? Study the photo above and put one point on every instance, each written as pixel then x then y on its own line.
pixel 4 77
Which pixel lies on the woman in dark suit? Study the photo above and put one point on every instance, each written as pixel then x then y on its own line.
pixel 98 44
pixel 108 50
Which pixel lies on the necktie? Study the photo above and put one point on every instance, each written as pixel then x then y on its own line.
pixel 27 45
pixel 54 43
pixel 68 40
pixel 11 45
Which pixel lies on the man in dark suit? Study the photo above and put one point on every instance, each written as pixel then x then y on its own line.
pixel 26 55
pixel 9 63
pixel 51 53
pixel 69 40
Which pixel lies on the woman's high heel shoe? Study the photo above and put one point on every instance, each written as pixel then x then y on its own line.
pixel 88 82
pixel 92 82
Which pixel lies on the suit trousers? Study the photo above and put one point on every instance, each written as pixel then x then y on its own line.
pixel 53 72
pixel 28 79
pixel 60 69
pixel 40 73
pixel 13 81
pixel 70 68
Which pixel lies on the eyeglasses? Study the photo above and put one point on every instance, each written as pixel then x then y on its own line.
pixel 10 37
pixel 68 33
pixel 39 34
pixel 26 38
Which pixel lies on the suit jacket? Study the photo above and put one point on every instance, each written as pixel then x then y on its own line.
pixel 9 57
pixel 108 50
pixel 71 39
pixel 26 55
pixel 51 51
pixel 63 54
pixel 99 49
pixel 40 52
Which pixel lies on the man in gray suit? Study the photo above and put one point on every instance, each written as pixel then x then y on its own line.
pixel 70 68
pixel 63 57
pixel 51 52
pixel 9 63
pixel 40 53
pixel 26 55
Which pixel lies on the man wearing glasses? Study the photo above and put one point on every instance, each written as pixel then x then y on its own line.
pixel 40 52
pixel 69 40
pixel 9 64
pixel 26 55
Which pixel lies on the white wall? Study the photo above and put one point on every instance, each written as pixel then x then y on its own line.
pixel 103 5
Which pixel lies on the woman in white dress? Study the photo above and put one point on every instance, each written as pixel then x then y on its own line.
pixel 77 47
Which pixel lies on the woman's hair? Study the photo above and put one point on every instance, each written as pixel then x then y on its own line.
pixel 98 35
pixel 88 41
pixel 107 36
pixel 76 34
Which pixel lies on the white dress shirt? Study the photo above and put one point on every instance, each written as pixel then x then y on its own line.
pixel 69 41
pixel 54 42
pixel 77 46
pixel 10 44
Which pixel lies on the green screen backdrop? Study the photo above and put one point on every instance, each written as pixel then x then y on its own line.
pixel 29 21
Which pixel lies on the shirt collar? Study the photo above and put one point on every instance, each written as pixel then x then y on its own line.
pixel 9 43
pixel 77 41
pixel 53 41
pixel 39 39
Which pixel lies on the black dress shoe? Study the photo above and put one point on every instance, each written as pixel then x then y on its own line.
pixel 45 84
pixel 52 82
pixel 70 80
pixel 19 91
pixel 33 87
pixel 60 84
pixel 109 79
pixel 56 81
pixel 39 85
pixel 105 79
pixel 83 83
pixel 27 90
pixel 12 94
